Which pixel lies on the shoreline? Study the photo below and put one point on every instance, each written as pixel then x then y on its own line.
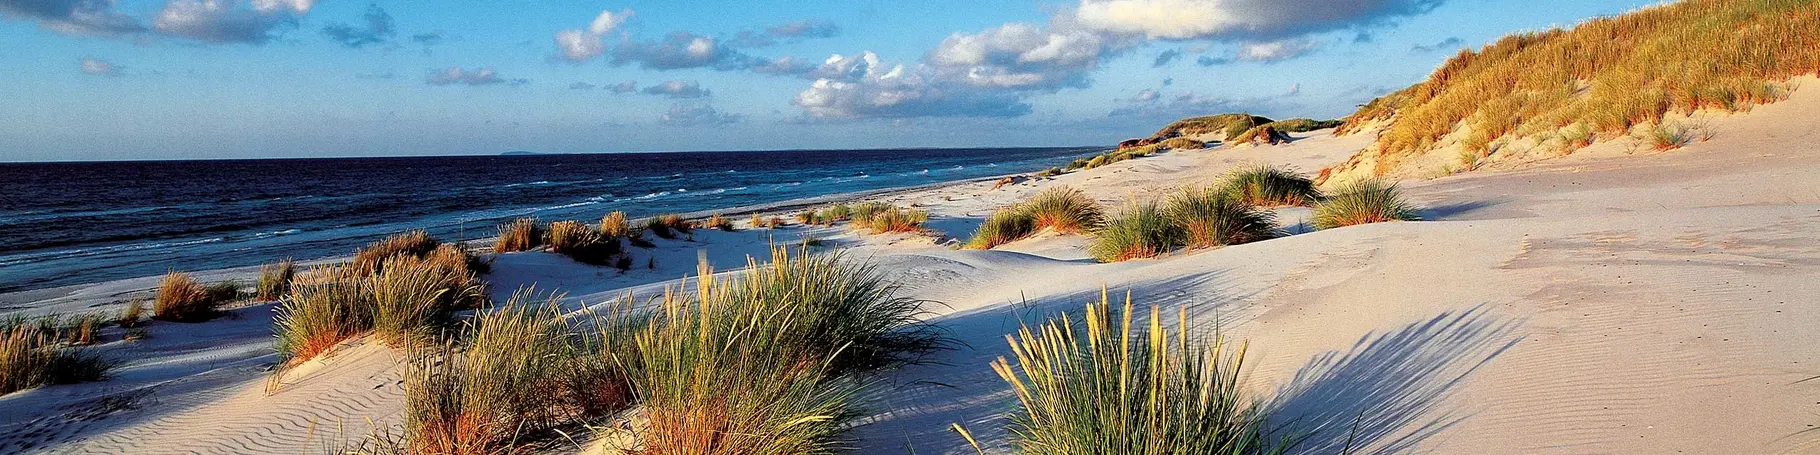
pixel 120 290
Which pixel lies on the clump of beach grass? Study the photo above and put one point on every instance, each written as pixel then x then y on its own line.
pixel 503 383
pixel 716 221
pixel 1362 202
pixel 415 243
pixel 30 357
pixel 834 213
pixel 523 234
pixel 897 220
pixel 1270 186
pixel 1065 210
pixel 582 243
pixel 275 279
pixel 1109 386
pixel 181 298
pixel 669 226
pixel 615 225
pixel 131 315
pixel 1142 230
pixel 863 212
pixel 1003 226
pixel 762 362
pixel 1209 217
pixel 314 318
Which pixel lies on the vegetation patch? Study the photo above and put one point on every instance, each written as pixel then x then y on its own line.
pixel 182 299
pixel 1362 202
pixel 1209 217
pixel 1270 186
pixel 523 234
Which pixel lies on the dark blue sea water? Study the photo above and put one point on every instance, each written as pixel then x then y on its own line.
pixel 72 223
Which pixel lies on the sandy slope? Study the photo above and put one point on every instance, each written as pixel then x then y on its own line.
pixel 1608 302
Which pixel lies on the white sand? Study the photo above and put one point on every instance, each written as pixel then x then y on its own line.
pixel 1607 302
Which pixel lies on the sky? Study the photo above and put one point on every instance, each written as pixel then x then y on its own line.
pixel 199 79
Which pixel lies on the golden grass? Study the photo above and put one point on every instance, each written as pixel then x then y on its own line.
pixel 523 234
pixel 275 279
pixel 414 243
pixel 897 220
pixel 1003 226
pixel 32 357
pixel 1066 210
pixel 314 318
pixel 1210 217
pixel 1362 202
pixel 1270 186
pixel 716 221
pixel 1228 125
pixel 182 299
pixel 1142 231
pixel 1606 75
pixel 583 244
pixel 131 315
pixel 502 384
pixel 1109 386
pixel 1182 143
pixel 615 225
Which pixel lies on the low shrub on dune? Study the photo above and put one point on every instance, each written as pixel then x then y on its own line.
pixel 1209 217
pixel 1362 202
pixel 807 217
pixel 615 225
pixel 523 234
pixel 1270 186
pixel 406 303
pixel 1141 231
pixel 759 221
pixel 675 222
pixel 863 212
pixel 1066 210
pixel 1107 387
pixel 182 299
pixel 131 315
pixel 413 243
pixel 660 227
pixel 30 357
pixel 1182 143
pixel 1003 226
pixel 275 279
pixel 897 220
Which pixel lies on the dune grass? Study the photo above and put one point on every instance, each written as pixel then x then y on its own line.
pixel 863 212
pixel 1270 186
pixel 1066 210
pixel 763 362
pixel 1362 202
pixel 523 234
pixel 897 220
pixel 131 315
pixel 31 357
pixel 1107 387
pixel 275 279
pixel 181 299
pixel 834 213
pixel 1182 143
pixel 1210 217
pixel 1228 125
pixel 668 226
pixel 1003 226
pixel 500 385
pixel 411 243
pixel 1608 74
pixel 584 244
pixel 314 318
pixel 615 225
pixel 1142 230
pixel 716 221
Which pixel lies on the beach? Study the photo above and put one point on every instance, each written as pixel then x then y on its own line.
pixel 1618 300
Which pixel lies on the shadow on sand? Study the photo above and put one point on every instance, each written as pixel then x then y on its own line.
pixel 1383 394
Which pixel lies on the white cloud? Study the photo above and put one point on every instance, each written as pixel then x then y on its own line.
pixel 1238 19
pixel 74 17
pixel 683 114
pixel 583 44
pixel 624 87
pixel 1275 51
pixel 378 29
pixel 479 76
pixel 677 89
pixel 227 21
pixel 99 67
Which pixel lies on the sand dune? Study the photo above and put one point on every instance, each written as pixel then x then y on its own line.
pixel 1609 302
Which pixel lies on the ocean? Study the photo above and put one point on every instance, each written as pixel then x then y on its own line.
pixel 85 222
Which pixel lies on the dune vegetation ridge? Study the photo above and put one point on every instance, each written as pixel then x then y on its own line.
pixel 1552 92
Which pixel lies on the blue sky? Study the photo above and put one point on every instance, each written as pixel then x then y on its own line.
pixel 179 79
